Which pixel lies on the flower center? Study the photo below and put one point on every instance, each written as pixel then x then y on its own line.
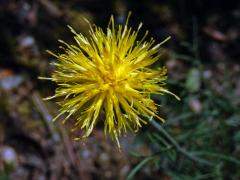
pixel 110 81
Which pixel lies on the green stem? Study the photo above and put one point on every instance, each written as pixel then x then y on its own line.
pixel 177 146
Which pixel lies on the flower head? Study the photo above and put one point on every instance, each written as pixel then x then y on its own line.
pixel 109 75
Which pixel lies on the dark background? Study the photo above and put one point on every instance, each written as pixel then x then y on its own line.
pixel 202 58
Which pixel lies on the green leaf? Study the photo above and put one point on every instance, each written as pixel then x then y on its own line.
pixel 139 166
pixel 193 80
pixel 237 137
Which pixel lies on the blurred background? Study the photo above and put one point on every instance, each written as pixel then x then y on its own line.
pixel 201 137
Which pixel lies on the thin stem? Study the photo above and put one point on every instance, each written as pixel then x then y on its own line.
pixel 178 147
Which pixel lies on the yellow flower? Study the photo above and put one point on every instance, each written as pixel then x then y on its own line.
pixel 109 75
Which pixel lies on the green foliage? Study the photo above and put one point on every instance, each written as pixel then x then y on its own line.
pixel 6 171
pixel 193 81
pixel 196 144
pixel 4 176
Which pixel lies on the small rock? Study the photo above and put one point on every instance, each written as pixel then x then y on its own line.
pixel 207 74
pixel 86 154
pixel 11 82
pixel 195 105
pixel 104 157
pixel 8 155
pixel 26 41
pixel 215 34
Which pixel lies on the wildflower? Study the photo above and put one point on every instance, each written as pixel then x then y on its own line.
pixel 109 75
